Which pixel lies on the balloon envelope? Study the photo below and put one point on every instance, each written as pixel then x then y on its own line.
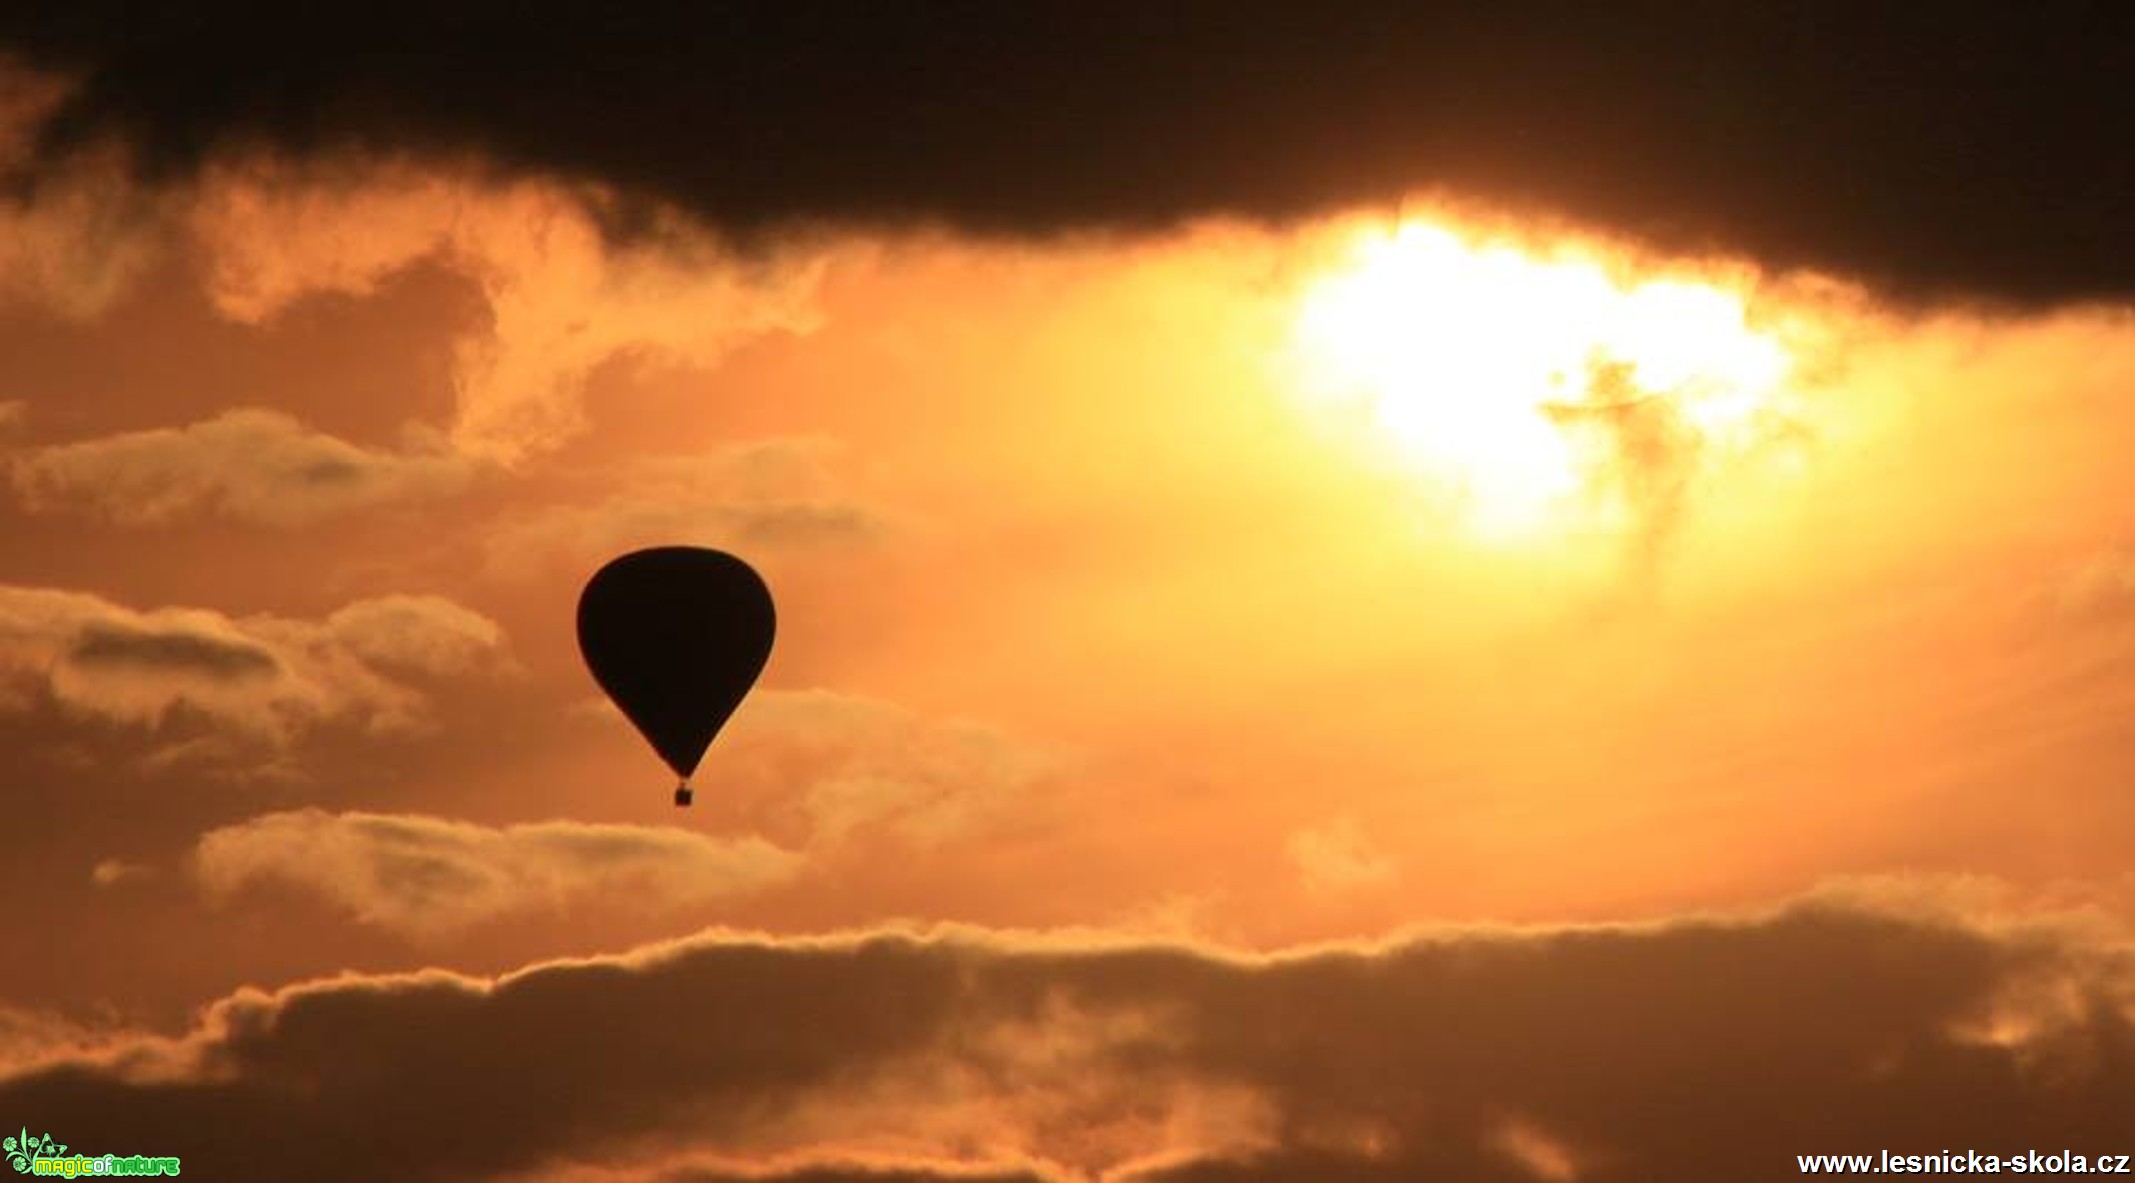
pixel 676 635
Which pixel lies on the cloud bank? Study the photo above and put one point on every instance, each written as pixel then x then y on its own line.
pixel 1690 1050
pixel 1972 152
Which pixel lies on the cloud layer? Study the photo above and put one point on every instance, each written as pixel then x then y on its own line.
pixel 1692 1050
pixel 1973 152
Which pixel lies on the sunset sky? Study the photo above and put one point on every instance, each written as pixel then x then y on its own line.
pixel 1366 591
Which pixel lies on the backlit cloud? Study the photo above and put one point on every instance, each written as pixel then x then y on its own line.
pixel 799 1169
pixel 562 300
pixel 250 464
pixel 29 1038
pixel 265 676
pixel 1338 856
pixel 1606 1053
pixel 112 872
pixel 74 233
pixel 1927 155
pixel 418 634
pixel 864 766
pixel 767 494
pixel 428 876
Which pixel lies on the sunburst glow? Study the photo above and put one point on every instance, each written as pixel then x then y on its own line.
pixel 1480 364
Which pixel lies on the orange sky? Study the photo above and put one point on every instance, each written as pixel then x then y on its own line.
pixel 1115 600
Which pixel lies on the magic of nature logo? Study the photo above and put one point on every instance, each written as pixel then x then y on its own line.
pixel 30 1154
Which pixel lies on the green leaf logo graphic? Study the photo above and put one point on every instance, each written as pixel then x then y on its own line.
pixel 24 1148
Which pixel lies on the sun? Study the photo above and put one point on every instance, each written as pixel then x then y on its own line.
pixel 1482 366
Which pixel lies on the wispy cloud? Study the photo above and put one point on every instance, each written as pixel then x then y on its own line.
pixel 111 872
pixel 776 494
pixel 1339 856
pixel 563 299
pixel 866 767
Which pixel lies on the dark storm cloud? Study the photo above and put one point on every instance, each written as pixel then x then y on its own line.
pixel 1962 148
pixel 1689 1051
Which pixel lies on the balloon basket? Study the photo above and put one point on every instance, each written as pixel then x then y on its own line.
pixel 682 796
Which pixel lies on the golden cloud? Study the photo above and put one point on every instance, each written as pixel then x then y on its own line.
pixel 250 464
pixel 429 876
pixel 268 677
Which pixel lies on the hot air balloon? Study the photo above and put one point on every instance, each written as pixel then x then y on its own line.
pixel 676 635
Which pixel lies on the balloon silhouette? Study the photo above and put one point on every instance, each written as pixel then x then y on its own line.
pixel 676 635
